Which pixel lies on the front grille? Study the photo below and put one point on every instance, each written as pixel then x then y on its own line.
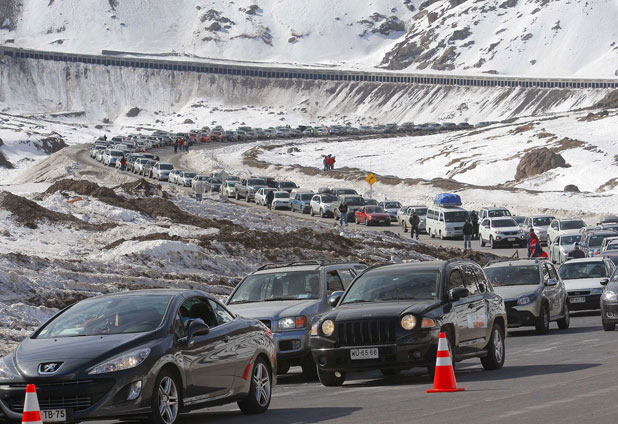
pixel 579 293
pixel 510 303
pixel 76 403
pixel 267 323
pixel 366 332
pixel 510 233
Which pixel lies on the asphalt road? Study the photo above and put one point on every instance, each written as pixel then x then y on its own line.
pixel 567 376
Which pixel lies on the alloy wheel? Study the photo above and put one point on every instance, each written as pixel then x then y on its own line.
pixel 261 381
pixel 168 400
pixel 498 345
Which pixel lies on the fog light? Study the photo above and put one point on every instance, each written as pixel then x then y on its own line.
pixel 134 390
pixel 296 344
pixel 322 360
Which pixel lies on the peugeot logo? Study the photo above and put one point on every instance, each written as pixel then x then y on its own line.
pixel 48 368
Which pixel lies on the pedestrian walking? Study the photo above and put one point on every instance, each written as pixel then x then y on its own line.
pixel 576 252
pixel 175 147
pixel 324 163
pixel 343 213
pixel 123 163
pixel 269 198
pixel 199 187
pixel 474 218
pixel 415 222
pixel 467 233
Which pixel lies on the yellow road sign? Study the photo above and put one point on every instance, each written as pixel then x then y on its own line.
pixel 371 179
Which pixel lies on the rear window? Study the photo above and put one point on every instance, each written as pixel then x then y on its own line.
pixel 542 222
pixel 572 225
pixel 460 216
pixel 580 270
pixel 498 212
pixel 282 196
pixel 116 153
pixel 354 201
pixel 256 182
pixel 166 166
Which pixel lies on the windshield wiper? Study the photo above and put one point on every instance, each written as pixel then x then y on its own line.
pixel 274 299
pixel 398 298
pixel 237 302
pixel 357 301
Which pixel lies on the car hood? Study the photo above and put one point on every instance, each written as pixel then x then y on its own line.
pixel 381 309
pixel 75 352
pixel 506 229
pixel 512 292
pixel 583 283
pixel 275 310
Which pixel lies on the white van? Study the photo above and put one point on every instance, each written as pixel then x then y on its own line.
pixel 445 221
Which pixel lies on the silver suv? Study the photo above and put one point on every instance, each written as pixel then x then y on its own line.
pixel 288 298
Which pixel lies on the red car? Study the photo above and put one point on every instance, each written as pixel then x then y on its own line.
pixel 372 215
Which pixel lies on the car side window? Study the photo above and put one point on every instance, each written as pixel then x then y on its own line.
pixel 552 272
pixel 455 280
pixel 481 279
pixel 333 283
pixel 222 314
pixel 485 223
pixel 316 199
pixel 179 327
pixel 198 308
pixel 347 275
pixel 470 280
pixel 545 274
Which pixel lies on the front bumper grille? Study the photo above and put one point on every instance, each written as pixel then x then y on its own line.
pixel 366 332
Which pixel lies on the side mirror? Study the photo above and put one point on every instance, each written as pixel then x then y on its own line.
pixel 459 293
pixel 197 327
pixel 334 298
pixel 604 281
pixel 551 282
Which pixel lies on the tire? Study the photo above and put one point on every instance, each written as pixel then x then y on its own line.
pixel 542 322
pixel 366 222
pixel 310 369
pixel 311 211
pixel 322 214
pixel 331 379
pixel 166 399
pixel 247 197
pixel 492 243
pixel 283 367
pixel 260 390
pixel 495 349
pixel 236 196
pixel 482 241
pixel 431 235
pixel 608 326
pixel 405 227
pixel 565 321
pixel 441 236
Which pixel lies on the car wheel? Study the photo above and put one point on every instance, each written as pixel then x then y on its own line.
pixel 431 235
pixel 495 349
pixel 331 379
pixel 492 244
pixel 608 326
pixel 282 367
pixel 542 322
pixel 166 400
pixel 247 197
pixel 441 236
pixel 322 214
pixel 366 222
pixel 258 398
pixel 310 370
pixel 236 196
pixel 311 211
pixel 482 241
pixel 565 321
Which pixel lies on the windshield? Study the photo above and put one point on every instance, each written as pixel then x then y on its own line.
pixel 286 184
pixel 498 212
pixel 278 286
pixel 166 166
pixel 392 205
pixel 345 191
pixel 354 201
pixel 421 211
pixel 596 241
pixel 256 182
pixel 577 270
pixel 501 223
pixel 542 222
pixel 394 284
pixel 375 209
pixel 571 225
pixel 215 181
pixel 513 275
pixel 612 246
pixel 371 202
pixel 109 315
pixel 564 240
pixel 233 178
pixel 188 174
pixel 306 196
pixel 455 216
pixel 116 153
pixel 329 199
pixel 231 183
pixel 282 195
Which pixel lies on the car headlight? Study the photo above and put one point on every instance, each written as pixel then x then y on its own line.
pixel 314 329
pixel 328 327
pixel 609 296
pixel 291 323
pixel 408 322
pixel 121 363
pixel 596 291
pixel 5 372
pixel 428 323
pixel 525 300
pixel 521 231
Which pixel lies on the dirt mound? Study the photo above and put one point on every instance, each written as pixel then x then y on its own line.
pixel 538 161
pixel 29 213
pixel 571 188
pixel 594 116
pixel 142 188
pixel 610 101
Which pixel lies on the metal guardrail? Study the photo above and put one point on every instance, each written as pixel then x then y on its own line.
pixel 112 58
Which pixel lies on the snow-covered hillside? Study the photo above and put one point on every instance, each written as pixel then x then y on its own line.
pixel 518 37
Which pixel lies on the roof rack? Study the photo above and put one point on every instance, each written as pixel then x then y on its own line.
pixel 317 262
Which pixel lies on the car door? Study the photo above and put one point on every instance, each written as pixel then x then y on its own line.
pixel 551 291
pixel 464 333
pixel 559 289
pixel 315 204
pixel 477 308
pixel 484 229
pixel 210 360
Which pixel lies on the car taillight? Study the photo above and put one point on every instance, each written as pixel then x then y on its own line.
pixel 301 322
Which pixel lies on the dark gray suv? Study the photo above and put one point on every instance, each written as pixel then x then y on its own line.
pixel 288 298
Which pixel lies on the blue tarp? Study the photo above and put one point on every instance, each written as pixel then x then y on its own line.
pixel 447 199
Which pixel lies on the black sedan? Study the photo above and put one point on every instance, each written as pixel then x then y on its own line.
pixel 149 354
pixel 391 316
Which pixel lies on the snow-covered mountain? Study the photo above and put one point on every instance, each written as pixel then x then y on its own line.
pixel 518 37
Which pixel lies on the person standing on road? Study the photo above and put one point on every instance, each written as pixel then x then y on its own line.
pixel 475 225
pixel 343 213
pixel 467 233
pixel 269 198
pixel 576 252
pixel 175 147
pixel 533 240
pixel 324 163
pixel 415 222
pixel 199 188
pixel 123 163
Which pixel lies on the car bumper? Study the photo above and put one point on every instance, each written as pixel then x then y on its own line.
pixel 609 312
pixel 579 302
pixel 292 344
pixel 281 205
pixel 385 221
pixel 522 315
pixel 510 240
pixel 417 352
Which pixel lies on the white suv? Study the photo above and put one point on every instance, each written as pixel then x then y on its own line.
pixel 540 225
pixel 260 196
pixel 559 227
pixel 161 171
pixel 504 231
pixel 493 213
pixel 322 204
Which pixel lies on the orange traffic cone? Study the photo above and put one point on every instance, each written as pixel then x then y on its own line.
pixel 444 379
pixel 32 412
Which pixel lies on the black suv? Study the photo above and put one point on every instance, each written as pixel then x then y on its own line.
pixel 391 316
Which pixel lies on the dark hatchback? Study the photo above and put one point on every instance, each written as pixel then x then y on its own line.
pixel 144 354
pixel 390 317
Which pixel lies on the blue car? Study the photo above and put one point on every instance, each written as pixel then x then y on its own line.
pixel 300 200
